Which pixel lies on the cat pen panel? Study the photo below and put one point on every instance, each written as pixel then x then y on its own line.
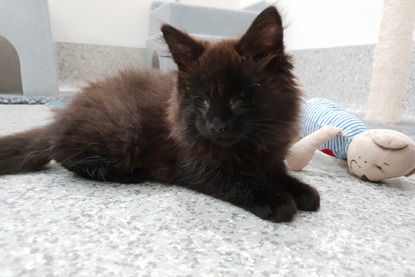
pixel 223 23
pixel 10 76
pixel 25 25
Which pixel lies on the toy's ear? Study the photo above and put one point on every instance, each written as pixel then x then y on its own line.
pixel 410 173
pixel 389 139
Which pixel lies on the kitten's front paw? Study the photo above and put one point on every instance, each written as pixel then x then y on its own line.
pixel 308 199
pixel 274 206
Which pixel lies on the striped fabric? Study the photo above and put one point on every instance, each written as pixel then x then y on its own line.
pixel 318 113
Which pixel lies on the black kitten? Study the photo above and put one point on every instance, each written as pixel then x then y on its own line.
pixel 221 125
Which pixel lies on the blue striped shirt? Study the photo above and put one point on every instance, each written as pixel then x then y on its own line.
pixel 318 112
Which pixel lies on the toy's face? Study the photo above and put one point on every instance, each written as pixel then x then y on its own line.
pixel 371 161
pixel 375 167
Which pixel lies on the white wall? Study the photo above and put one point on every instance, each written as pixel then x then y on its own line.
pixel 109 22
pixel 310 23
pixel 330 23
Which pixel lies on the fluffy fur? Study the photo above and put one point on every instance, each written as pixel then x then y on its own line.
pixel 220 125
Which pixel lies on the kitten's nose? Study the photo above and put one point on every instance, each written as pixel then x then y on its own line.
pixel 217 125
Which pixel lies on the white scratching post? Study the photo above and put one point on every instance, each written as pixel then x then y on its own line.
pixel 391 62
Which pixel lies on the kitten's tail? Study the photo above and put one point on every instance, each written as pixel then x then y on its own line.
pixel 27 151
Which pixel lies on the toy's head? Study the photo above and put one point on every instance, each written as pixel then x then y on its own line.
pixel 379 154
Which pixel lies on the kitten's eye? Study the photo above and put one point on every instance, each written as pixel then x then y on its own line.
pixel 246 96
pixel 244 99
pixel 240 102
pixel 236 103
pixel 252 88
pixel 201 103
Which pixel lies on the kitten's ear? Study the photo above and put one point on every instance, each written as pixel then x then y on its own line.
pixel 184 49
pixel 264 37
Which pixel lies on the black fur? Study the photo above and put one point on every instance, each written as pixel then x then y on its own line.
pixel 221 125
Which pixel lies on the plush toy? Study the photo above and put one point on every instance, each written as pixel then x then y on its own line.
pixel 373 155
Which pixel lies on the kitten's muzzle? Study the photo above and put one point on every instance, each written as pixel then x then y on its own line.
pixel 217 125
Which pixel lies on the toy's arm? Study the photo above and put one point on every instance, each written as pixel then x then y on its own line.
pixel 302 151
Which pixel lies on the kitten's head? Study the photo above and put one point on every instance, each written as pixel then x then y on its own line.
pixel 234 92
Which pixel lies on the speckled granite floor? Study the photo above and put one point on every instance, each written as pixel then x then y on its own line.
pixel 53 223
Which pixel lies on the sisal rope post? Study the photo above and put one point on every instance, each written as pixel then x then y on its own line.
pixel 391 62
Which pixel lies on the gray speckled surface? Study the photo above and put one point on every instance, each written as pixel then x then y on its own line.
pixel 22 99
pixel 81 63
pixel 340 74
pixel 56 224
pixel 406 126
pixel 343 74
